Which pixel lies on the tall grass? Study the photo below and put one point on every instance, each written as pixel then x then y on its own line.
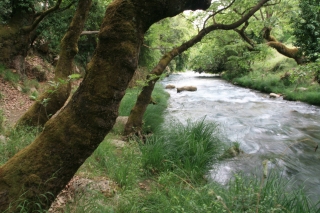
pixel 120 164
pixel 16 140
pixel 190 149
pixel 244 193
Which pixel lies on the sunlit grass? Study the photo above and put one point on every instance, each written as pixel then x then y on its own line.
pixel 15 141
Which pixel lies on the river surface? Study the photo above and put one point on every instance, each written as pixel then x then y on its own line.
pixel 285 133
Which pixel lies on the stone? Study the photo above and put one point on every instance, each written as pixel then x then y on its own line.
pixel 274 95
pixel 170 86
pixel 186 88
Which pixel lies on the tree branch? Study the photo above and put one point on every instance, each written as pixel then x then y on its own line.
pixel 89 32
pixel 215 13
pixel 41 17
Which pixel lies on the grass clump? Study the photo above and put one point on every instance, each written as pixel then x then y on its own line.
pixel 8 75
pixel 190 149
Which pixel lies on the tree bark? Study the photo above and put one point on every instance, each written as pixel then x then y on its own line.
pixel 281 48
pixel 134 123
pixel 70 137
pixel 40 112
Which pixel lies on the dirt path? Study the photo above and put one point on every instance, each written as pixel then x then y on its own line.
pixel 13 102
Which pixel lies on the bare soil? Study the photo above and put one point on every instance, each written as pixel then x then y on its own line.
pixel 13 102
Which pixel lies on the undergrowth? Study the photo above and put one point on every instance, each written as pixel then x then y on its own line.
pixel 8 75
pixel 281 75
pixel 168 173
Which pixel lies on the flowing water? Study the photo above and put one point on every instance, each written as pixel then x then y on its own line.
pixel 286 133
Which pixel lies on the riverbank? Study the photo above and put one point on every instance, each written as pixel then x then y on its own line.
pixel 167 173
pixel 282 76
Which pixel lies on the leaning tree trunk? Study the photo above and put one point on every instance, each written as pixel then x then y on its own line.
pixel 135 120
pixel 281 48
pixel 70 137
pixel 55 96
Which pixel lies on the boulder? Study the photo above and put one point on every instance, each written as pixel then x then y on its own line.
pixel 170 86
pixel 274 95
pixel 186 88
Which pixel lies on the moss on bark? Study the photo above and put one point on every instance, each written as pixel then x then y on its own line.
pixel 72 135
pixel 281 48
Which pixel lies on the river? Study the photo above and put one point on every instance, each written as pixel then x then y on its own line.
pixel 285 133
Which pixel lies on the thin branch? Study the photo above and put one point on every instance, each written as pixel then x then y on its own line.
pixel 89 32
pixel 66 7
pixel 41 17
pixel 156 48
pixel 215 13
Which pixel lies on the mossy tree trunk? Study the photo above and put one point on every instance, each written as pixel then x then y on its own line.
pixel 15 35
pixel 134 123
pixel 55 96
pixel 281 48
pixel 71 136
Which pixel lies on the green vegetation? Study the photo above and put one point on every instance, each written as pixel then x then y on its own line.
pixel 16 140
pixel 282 76
pixel 167 173
pixel 153 116
pixel 191 149
pixel 8 75
pixel 2 119
pixel 306 29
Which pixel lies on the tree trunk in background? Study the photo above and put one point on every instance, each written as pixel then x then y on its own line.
pixel 15 35
pixel 70 137
pixel 134 123
pixel 281 48
pixel 40 112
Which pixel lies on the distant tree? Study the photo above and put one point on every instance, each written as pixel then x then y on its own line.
pixel 268 17
pixel 19 20
pixel 70 137
pixel 307 29
pixel 56 95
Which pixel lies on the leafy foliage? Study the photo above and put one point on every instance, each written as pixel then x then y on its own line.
pixel 164 36
pixel 307 28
